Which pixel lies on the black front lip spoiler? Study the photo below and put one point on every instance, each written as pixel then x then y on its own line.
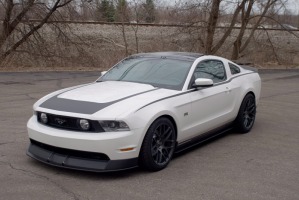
pixel 79 163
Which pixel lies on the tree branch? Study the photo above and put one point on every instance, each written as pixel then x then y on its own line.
pixel 20 16
pixel 230 28
pixel 35 28
pixel 5 25
pixel 213 18
pixel 257 24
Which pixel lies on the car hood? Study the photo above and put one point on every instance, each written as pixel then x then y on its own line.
pixel 106 100
pixel 104 92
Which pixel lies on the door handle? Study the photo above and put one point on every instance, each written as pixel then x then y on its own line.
pixel 228 90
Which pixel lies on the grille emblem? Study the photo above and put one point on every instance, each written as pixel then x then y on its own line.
pixel 60 121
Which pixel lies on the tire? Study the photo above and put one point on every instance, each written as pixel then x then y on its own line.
pixel 158 145
pixel 246 115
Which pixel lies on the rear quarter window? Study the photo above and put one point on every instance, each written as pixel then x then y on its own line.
pixel 234 69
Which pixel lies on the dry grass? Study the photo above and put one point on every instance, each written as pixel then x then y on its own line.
pixel 97 47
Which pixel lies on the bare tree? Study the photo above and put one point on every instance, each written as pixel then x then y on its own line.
pixel 123 16
pixel 212 22
pixel 135 24
pixel 12 35
pixel 244 11
pixel 238 46
pixel 227 33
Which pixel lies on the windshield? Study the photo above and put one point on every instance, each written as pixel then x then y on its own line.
pixel 159 72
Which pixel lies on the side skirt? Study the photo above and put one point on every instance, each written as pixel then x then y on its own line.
pixel 202 138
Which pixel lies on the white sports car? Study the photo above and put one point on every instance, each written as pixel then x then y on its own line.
pixel 142 111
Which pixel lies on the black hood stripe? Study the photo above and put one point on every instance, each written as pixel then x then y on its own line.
pixel 193 90
pixel 81 107
pixel 175 95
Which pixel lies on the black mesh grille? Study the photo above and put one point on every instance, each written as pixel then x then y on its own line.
pixel 70 123
pixel 70 152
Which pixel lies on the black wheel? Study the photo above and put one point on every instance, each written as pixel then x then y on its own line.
pixel 158 145
pixel 246 115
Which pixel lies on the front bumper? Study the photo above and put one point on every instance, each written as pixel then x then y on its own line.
pixel 82 150
pixel 72 159
pixel 109 143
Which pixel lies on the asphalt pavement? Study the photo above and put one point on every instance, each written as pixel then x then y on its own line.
pixel 263 164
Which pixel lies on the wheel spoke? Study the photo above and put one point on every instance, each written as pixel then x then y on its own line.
pixel 249 113
pixel 166 150
pixel 250 108
pixel 167 136
pixel 154 139
pixel 154 150
pixel 159 156
pixel 163 144
pixel 251 116
pixel 245 122
pixel 156 134
pixel 165 156
pixel 154 153
pixel 250 121
pixel 165 131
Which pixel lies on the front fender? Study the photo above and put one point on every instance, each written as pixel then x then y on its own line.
pixel 143 118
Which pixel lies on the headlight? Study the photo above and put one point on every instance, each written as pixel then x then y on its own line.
pixel 44 118
pixel 84 124
pixel 110 126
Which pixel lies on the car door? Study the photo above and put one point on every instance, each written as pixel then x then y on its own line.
pixel 210 106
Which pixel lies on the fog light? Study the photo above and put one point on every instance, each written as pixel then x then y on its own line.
pixel 44 118
pixel 84 124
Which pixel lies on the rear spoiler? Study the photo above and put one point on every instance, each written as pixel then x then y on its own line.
pixel 247 66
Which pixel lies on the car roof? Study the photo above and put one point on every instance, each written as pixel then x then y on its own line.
pixel 176 55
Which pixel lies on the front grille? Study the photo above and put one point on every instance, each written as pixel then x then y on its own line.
pixel 70 123
pixel 70 152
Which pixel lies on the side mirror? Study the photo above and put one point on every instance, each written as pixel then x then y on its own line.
pixel 203 82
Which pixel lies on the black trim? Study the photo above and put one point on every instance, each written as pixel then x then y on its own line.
pixel 176 55
pixel 189 91
pixel 70 152
pixel 82 107
pixel 78 160
pixel 229 80
pixel 182 146
pixel 195 89
pixel 70 123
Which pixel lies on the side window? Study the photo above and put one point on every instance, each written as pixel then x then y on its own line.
pixel 234 69
pixel 212 69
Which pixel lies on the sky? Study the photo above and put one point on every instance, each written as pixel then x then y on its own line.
pixel 292 5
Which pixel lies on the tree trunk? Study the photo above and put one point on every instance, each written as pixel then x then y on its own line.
pixel 245 20
pixel 257 24
pixel 10 25
pixel 212 22
pixel 136 39
pixel 230 28
pixel 125 38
